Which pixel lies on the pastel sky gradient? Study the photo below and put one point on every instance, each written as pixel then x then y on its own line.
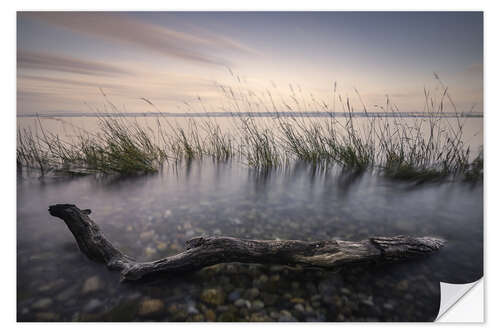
pixel 67 60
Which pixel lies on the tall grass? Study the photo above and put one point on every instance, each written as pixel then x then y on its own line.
pixel 424 148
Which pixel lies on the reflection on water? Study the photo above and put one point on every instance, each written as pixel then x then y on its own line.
pixel 151 217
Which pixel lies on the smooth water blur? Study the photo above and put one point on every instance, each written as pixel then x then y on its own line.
pixel 150 217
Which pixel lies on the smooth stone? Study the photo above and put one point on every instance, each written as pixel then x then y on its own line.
pixel 345 291
pixel 210 315
pixel 263 278
pixel 161 245
pixel 368 302
pixel 67 294
pixel 92 305
pixel 51 285
pixel 47 316
pixel 257 304
pixel 213 296
pixel 252 293
pixel 151 307
pixel 198 317
pixel 388 306
pixel 299 307
pixel 234 295
pixel 403 285
pixel 92 284
pixel 177 312
pixel 297 300
pixel 259 317
pixel 286 316
pixel 227 316
pixel 149 251
pixel 274 315
pixel 191 309
pixel 243 303
pixel 42 303
pixel 147 235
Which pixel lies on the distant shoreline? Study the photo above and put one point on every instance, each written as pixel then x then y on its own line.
pixel 310 114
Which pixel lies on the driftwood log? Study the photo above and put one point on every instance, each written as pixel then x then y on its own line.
pixel 207 251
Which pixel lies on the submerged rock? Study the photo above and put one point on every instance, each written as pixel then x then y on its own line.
pixel 252 293
pixel 257 304
pixel 210 315
pixel 259 317
pixel 299 307
pixel 213 296
pixel 234 295
pixel 92 284
pixel 47 316
pixel 192 310
pixel 286 316
pixel 151 308
pixel 147 235
pixel 242 303
pixel 92 305
pixel 42 303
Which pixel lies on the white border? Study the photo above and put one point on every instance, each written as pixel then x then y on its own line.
pixel 8 126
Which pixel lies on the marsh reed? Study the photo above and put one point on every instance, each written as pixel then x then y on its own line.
pixel 422 148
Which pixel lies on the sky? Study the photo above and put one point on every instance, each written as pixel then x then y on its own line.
pixel 222 61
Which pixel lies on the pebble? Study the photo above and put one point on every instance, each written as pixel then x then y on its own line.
pixel 286 316
pixel 198 317
pixel 243 303
pixel 46 316
pixel 297 300
pixel 42 303
pixel 345 291
pixel 67 294
pixel 161 245
pixel 259 317
pixel 257 304
pixel 210 315
pixel 51 285
pixel 388 306
pixel 191 309
pixel 263 278
pixel 149 251
pixel 91 285
pixel 92 305
pixel 403 285
pixel 146 235
pixel 274 315
pixel 151 307
pixel 253 293
pixel 299 307
pixel 234 295
pixel 213 296
pixel 368 301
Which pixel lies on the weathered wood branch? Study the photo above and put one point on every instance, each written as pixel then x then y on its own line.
pixel 207 251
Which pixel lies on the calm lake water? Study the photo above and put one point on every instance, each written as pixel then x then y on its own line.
pixel 150 217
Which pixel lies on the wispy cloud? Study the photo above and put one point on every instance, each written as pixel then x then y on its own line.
pixel 123 28
pixel 46 61
pixel 67 81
